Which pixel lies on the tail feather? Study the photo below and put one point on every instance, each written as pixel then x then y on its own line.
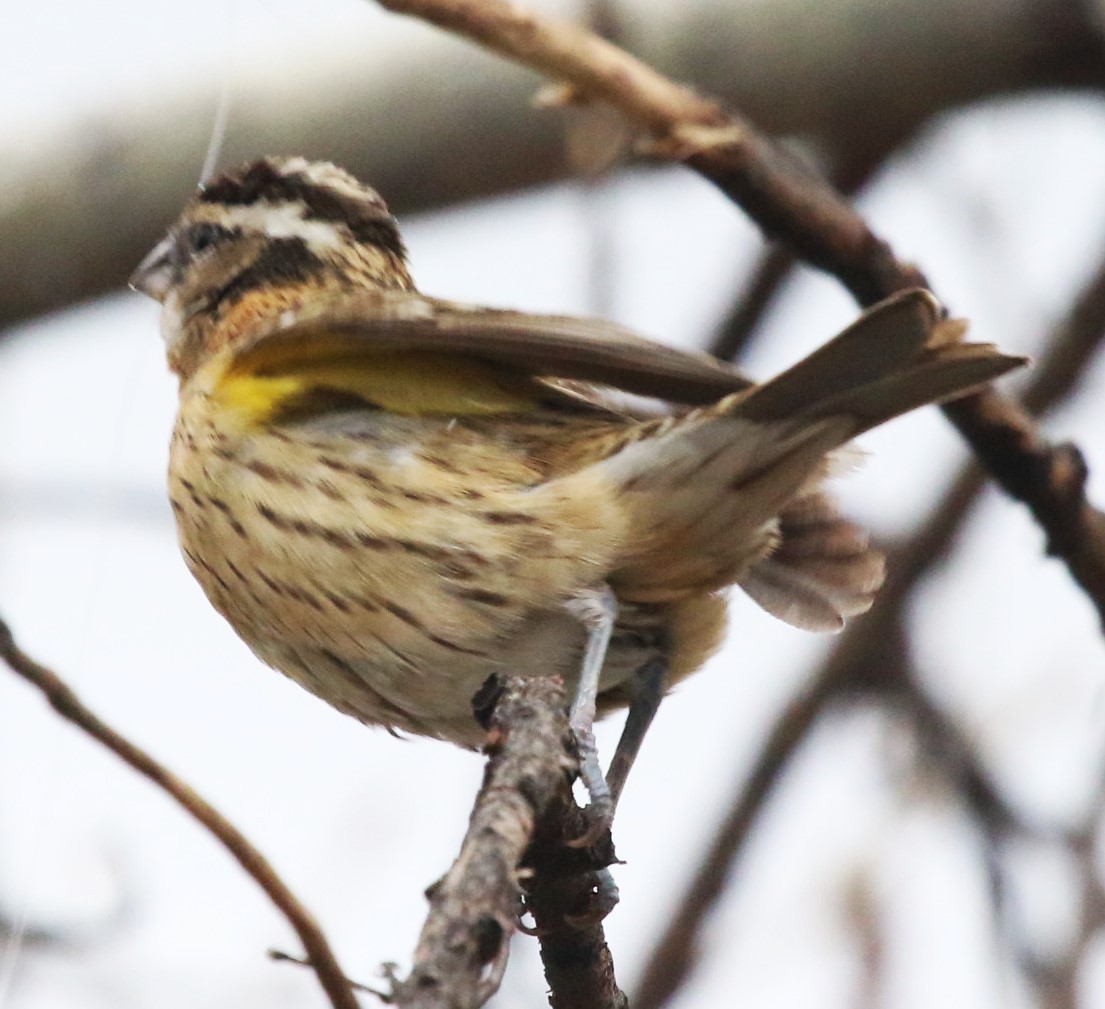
pixel 877 343
pixel 731 493
pixel 823 570
pixel 898 356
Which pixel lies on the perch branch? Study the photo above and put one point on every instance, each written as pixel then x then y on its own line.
pixel 567 911
pixel 474 909
pixel 66 703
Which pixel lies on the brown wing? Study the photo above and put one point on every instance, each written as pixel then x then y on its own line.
pixel 549 346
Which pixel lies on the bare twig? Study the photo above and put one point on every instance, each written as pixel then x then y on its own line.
pixel 66 703
pixel 794 205
pixel 851 173
pixel 474 909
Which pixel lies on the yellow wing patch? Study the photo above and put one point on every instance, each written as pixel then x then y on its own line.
pixel 258 385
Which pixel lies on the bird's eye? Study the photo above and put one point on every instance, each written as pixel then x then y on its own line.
pixel 202 236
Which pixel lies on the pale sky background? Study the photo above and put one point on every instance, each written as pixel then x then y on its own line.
pixel 1005 209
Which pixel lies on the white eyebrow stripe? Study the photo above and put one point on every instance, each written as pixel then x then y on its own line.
pixel 283 220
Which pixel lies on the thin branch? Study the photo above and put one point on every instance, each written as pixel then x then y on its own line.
pixel 854 169
pixel 772 269
pixel 799 208
pixel 66 703
pixel 474 909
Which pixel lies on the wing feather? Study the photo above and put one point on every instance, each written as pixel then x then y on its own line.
pixel 552 346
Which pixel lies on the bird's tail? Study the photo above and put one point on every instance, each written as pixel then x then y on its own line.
pixel 733 492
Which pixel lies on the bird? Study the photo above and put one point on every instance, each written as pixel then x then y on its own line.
pixel 391 497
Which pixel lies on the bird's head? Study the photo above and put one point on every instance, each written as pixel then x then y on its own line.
pixel 262 239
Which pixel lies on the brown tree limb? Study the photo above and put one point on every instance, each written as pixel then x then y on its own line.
pixel 66 703
pixel 794 205
pixel 474 909
pixel 864 659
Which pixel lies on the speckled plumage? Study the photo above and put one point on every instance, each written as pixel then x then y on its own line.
pixel 389 505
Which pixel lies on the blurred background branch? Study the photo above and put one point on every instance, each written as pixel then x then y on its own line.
pixel 430 120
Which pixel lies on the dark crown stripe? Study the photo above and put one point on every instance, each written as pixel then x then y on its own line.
pixel 262 180
pixel 283 261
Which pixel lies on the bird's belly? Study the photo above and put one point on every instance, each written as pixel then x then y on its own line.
pixel 430 692
pixel 371 630
pixel 381 593
pixel 419 688
pixel 411 658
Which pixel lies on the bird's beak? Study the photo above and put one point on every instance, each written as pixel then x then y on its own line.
pixel 154 275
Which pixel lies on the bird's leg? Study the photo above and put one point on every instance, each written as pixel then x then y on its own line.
pixel 648 691
pixel 597 610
